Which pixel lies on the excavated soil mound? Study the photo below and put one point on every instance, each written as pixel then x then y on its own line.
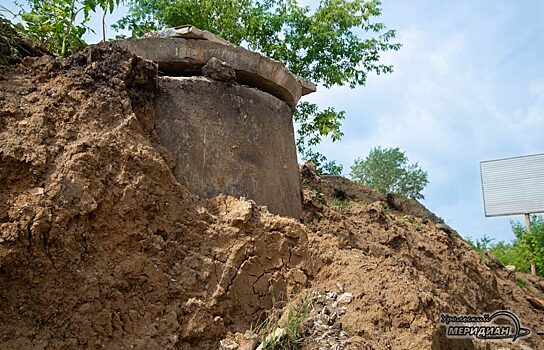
pixel 101 247
pixel 404 268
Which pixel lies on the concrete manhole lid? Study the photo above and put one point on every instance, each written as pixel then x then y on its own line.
pixel 185 50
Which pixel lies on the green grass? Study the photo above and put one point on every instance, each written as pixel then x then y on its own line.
pixel 292 340
pixel 521 282
pixel 340 203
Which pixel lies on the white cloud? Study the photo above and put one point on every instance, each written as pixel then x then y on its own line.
pixel 461 93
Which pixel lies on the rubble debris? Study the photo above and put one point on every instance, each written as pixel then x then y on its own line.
pixel 218 70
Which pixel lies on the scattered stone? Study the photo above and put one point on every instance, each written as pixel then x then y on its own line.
pixel 332 295
pixel 308 323
pixel 228 344
pixel 322 325
pixel 299 276
pixel 340 288
pixel 326 329
pixel 325 310
pixel 337 326
pixel 342 311
pixel 274 336
pixel 510 268
pixel 536 303
pixel 345 298
pixel 249 341
pixel 218 70
pixel 36 191
pixel 325 319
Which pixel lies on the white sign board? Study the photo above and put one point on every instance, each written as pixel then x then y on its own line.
pixel 513 185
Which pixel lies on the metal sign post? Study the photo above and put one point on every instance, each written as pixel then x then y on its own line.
pixel 514 186
pixel 528 228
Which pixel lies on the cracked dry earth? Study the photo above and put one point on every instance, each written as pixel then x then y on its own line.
pixel 101 247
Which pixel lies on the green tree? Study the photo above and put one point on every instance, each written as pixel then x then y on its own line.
pixel 532 242
pixel 60 24
pixel 322 164
pixel 53 23
pixel 12 42
pixel 512 254
pixel 337 43
pixel 481 245
pixel 387 170
pixel 525 252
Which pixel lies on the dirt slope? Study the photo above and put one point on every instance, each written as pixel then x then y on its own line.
pixel 404 270
pixel 101 247
pixel 115 253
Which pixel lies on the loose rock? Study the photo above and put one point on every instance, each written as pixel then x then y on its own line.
pixel 510 268
pixel 345 298
pixel 218 70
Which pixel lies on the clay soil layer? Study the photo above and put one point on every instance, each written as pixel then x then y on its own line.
pixel 102 247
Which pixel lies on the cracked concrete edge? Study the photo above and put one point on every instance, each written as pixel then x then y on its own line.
pixel 180 56
pixel 307 86
pixel 187 31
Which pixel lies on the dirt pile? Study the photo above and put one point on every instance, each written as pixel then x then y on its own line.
pixel 404 270
pixel 100 245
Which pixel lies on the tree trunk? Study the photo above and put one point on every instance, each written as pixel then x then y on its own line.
pixel 104 25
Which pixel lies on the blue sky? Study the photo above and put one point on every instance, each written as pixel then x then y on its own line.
pixel 468 86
